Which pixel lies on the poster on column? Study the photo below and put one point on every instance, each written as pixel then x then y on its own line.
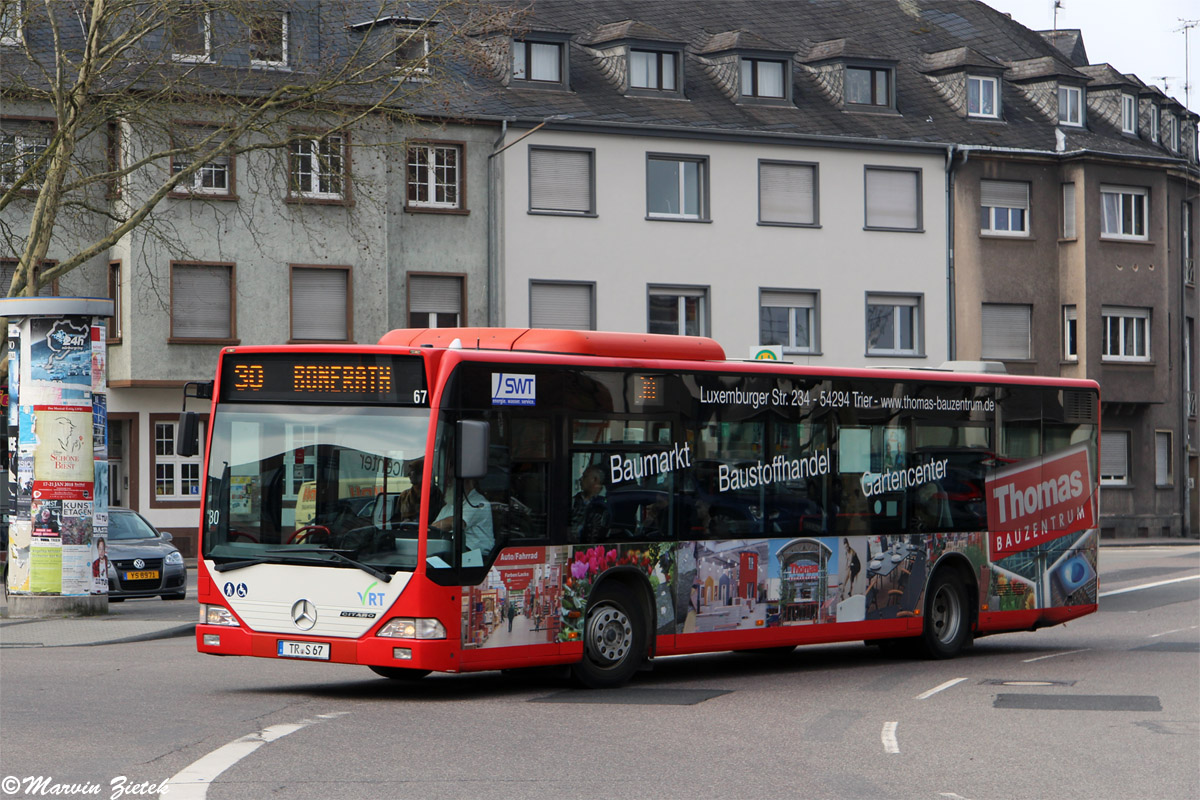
pixel 18 555
pixel 63 463
pixel 14 370
pixel 76 575
pixel 60 354
pixel 45 568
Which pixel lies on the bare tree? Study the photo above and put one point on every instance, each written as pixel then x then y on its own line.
pixel 93 93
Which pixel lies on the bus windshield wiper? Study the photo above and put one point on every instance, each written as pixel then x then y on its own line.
pixel 229 566
pixel 341 556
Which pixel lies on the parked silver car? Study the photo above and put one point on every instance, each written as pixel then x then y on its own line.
pixel 142 562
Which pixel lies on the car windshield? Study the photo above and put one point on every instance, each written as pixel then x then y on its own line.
pixel 127 526
pixel 310 485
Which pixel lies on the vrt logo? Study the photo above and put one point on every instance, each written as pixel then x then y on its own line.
pixel 369 598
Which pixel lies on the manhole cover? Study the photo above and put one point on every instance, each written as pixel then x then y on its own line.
pixel 634 697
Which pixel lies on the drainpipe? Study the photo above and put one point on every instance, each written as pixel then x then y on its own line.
pixel 493 244
pixel 951 329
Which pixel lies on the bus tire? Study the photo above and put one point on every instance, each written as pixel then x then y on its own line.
pixel 614 639
pixel 400 673
pixel 947 616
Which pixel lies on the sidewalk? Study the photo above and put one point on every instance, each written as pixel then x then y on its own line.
pixel 144 620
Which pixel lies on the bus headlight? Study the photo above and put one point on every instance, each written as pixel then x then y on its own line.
pixel 409 628
pixel 218 615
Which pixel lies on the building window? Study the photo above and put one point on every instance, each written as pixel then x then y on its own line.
pixel 11 12
pixel 676 187
pixel 214 177
pixel 763 78
pixel 1129 114
pixel 1006 332
pixel 562 181
pixel 539 62
pixel 893 325
pixel 869 86
pixel 189 33
pixel 653 69
pixel 268 40
pixel 562 304
pixel 1173 133
pixel 788 319
pixel 114 294
pixel 434 175
pixel 8 269
pixel 893 199
pixel 1004 207
pixel 22 143
pixel 678 309
pixel 1070 105
pixel 787 193
pixel 1070 334
pixel 1189 259
pixel 1164 474
pixel 1114 458
pixel 1154 123
pixel 983 97
pixel 202 302
pixel 319 167
pixel 321 309
pixel 435 301
pixel 176 478
pixel 1068 212
pixel 412 51
pixel 1126 333
pixel 1123 212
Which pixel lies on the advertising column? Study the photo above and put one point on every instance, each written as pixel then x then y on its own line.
pixel 58 432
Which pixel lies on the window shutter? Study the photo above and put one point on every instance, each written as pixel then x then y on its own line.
pixel 1004 194
pixel 1005 331
pixel 786 193
pixel 434 293
pixel 319 304
pixel 560 180
pixel 1068 192
pixel 1114 455
pixel 200 297
pixel 9 268
pixel 891 199
pixel 775 299
pixel 561 305
pixel 1162 459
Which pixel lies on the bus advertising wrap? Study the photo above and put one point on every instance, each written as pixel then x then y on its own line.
pixel 1039 500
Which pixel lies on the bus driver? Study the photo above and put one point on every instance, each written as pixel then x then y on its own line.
pixel 477 515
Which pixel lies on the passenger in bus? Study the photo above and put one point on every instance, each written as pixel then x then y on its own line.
pixel 409 501
pixel 589 508
pixel 476 519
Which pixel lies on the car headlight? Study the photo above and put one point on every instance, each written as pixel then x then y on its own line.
pixel 218 615
pixel 409 628
pixel 174 557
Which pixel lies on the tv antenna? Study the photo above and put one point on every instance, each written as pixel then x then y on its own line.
pixel 1185 26
pixel 1058 4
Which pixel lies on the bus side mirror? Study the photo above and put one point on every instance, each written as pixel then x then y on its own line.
pixel 473 442
pixel 187 438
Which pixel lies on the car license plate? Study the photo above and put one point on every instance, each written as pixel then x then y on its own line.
pixel 145 575
pixel 317 650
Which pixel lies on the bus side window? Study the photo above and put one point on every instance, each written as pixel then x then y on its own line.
pixel 518 474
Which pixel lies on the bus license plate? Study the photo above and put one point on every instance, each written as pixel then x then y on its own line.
pixel 147 575
pixel 317 650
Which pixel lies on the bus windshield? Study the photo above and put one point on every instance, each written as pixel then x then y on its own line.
pixel 314 485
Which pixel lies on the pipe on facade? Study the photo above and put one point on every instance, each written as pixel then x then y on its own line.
pixel 951 313
pixel 493 246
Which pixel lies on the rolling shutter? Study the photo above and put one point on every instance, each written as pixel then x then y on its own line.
pixel 786 193
pixel 1005 331
pixel 435 293
pixel 561 305
pixel 560 180
pixel 319 304
pixel 892 199
pixel 200 301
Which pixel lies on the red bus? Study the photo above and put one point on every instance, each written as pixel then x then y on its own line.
pixel 601 499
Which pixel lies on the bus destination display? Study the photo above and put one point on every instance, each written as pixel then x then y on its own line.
pixel 324 378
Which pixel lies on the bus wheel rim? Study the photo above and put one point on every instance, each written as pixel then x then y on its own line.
pixel 609 635
pixel 945 613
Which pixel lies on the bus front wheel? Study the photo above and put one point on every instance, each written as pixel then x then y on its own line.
pixel 947 616
pixel 400 673
pixel 614 639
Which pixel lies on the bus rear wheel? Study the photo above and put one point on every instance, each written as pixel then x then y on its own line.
pixel 614 639
pixel 947 616
pixel 400 673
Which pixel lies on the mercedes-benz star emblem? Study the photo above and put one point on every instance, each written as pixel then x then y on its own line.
pixel 138 563
pixel 304 615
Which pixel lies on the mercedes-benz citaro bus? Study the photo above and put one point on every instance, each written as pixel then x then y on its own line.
pixel 599 499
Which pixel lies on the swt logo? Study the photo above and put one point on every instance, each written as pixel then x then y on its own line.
pixel 513 390
pixel 368 598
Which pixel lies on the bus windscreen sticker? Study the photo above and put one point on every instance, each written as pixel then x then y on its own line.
pixel 509 389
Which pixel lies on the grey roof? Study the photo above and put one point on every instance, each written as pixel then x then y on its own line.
pixel 956 59
pixel 629 29
pixel 1069 42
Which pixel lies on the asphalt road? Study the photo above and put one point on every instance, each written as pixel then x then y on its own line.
pixel 1106 706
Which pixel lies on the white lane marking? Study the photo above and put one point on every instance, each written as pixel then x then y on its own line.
pixel 951 795
pixel 192 782
pixel 1055 655
pixel 936 689
pixel 1150 585
pixel 1168 633
pixel 888 735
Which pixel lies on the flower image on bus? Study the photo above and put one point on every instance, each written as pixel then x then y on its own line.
pixel 600 499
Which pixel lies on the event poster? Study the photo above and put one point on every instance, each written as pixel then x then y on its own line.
pixel 65 451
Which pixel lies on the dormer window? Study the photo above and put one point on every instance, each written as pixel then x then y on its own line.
pixel 1070 105
pixel 763 78
pixel 1154 123
pixel 538 62
pixel 269 40
pixel 983 97
pixel 869 86
pixel 189 34
pixel 412 50
pixel 1173 133
pixel 10 23
pixel 1129 114
pixel 653 69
